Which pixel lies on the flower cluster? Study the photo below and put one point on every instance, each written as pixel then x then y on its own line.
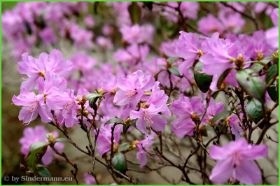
pixel 132 86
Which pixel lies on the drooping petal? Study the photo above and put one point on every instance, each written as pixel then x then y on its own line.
pixel 26 115
pixel 158 123
pixel 222 171
pixel 48 156
pixel 140 125
pixel 183 126
pixel 121 98
pixel 254 152
pixel 217 153
pixel 142 158
pixel 248 173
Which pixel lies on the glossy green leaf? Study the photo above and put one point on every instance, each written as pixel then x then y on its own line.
pixel 124 147
pixel 257 67
pixel 254 110
pixel 221 116
pixel 119 162
pixel 171 60
pixel 114 120
pixel 223 77
pixel 92 98
pixel 272 92
pixel 272 72
pixel 43 171
pixel 251 83
pixel 61 140
pixel 37 150
pixel 203 81
pixel 174 70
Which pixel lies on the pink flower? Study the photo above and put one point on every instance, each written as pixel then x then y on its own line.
pixel 188 47
pixel 213 109
pixel 210 24
pixel 150 113
pixel 236 161
pixel 186 111
pixel 272 34
pixel 39 134
pixel 143 147
pixel 260 47
pixel 49 97
pixel 68 114
pixel 48 36
pixel 89 21
pixel 235 126
pixel 137 34
pixel 232 22
pixel 189 9
pixel 132 88
pixel 80 36
pixel 31 107
pixel 272 37
pixel 89 179
pixel 104 138
pixel 104 42
pixel 37 69
pixel 132 55
pixel 107 30
pixel 54 93
pixel 222 54
pixel 83 62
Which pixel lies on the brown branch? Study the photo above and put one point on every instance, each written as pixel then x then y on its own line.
pixel 75 171
pixel 243 14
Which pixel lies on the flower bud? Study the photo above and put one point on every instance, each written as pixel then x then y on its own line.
pixel 51 138
pixel 134 144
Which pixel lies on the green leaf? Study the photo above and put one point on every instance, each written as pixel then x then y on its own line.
pixel 254 110
pixel 223 77
pixel 37 150
pixel 266 60
pixel 124 147
pixel 174 70
pixel 220 116
pixel 92 98
pixel 272 92
pixel 114 120
pixel 171 60
pixel 257 66
pixel 203 81
pixel 119 162
pixel 61 140
pixel 272 72
pixel 43 171
pixel 134 12
pixel 252 84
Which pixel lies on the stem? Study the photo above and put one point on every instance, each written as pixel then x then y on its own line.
pixel 243 14
pixel 75 171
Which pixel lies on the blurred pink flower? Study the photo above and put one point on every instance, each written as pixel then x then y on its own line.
pixel 150 113
pixel 236 161
pixel 89 179
pixel 39 134
pixel 131 89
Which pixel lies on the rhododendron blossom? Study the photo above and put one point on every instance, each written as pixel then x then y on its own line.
pixel 141 92
pixel 39 134
pixel 235 161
